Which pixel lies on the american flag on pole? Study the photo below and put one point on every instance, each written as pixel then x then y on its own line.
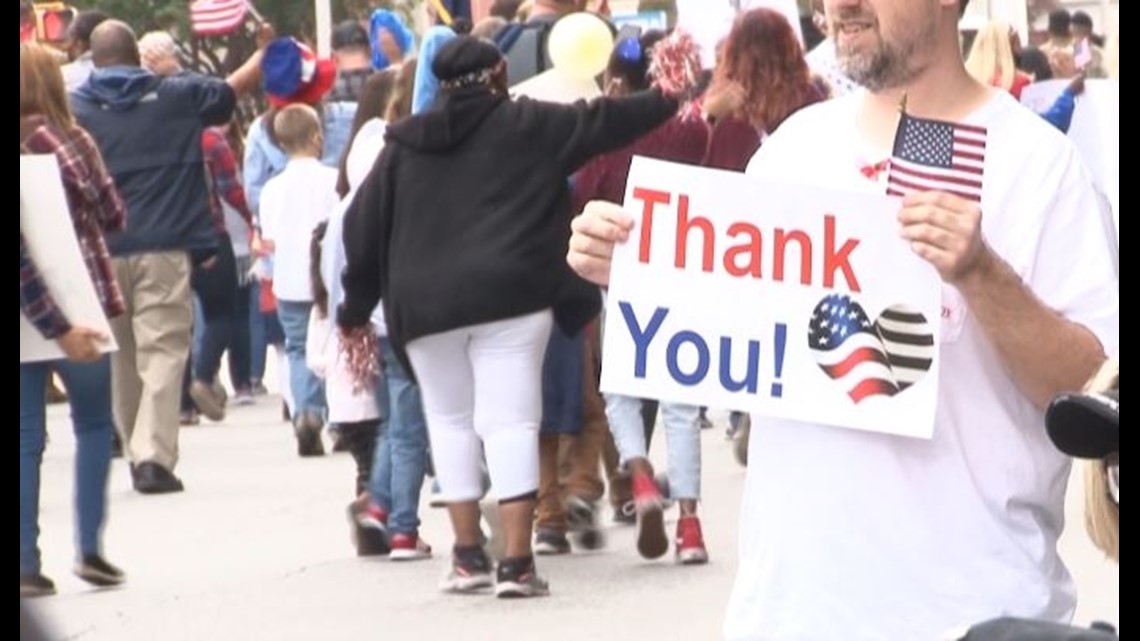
pixel 932 155
pixel 870 358
pixel 217 17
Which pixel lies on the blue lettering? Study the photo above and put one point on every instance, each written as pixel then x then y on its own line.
pixel 702 369
pixel 751 380
pixel 642 338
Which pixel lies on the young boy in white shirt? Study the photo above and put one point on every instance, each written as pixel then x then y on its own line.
pixel 292 204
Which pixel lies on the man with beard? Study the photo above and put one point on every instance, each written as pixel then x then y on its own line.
pixel 856 535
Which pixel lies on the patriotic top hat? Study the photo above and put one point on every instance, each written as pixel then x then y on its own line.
pixel 293 74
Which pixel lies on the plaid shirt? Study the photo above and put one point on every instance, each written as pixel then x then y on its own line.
pixel 95 207
pixel 35 300
pixel 225 179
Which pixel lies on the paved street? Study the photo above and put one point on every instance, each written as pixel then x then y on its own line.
pixel 258 548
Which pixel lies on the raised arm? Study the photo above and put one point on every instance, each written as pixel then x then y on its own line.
pixel 583 130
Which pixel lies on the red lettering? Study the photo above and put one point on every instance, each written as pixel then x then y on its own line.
pixel 837 261
pixel 684 226
pixel 650 199
pixel 750 249
pixel 804 241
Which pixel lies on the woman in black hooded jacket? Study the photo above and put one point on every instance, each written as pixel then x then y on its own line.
pixel 462 230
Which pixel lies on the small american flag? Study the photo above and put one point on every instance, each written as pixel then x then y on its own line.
pixel 217 17
pixel 931 155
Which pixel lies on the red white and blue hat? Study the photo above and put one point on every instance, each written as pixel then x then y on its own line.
pixel 292 74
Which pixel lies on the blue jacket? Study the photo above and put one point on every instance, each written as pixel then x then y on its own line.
pixel 149 130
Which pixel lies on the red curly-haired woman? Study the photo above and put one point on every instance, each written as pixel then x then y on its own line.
pixel 761 78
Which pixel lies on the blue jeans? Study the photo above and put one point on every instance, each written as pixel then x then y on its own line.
pixel 401 446
pixel 682 436
pixel 88 388
pixel 563 370
pixel 308 389
pixel 264 330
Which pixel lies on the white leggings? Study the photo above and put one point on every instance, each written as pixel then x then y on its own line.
pixel 484 383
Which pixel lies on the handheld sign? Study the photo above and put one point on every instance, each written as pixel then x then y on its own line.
pixel 782 300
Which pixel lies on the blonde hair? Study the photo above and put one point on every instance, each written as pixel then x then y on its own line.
pixel 41 86
pixel 991 56
pixel 297 128
pixel 1102 514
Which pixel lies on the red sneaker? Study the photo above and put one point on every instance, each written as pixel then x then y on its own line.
pixel 691 542
pixel 409 547
pixel 652 543
pixel 373 516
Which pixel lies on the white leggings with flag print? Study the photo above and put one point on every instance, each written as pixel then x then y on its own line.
pixel 484 383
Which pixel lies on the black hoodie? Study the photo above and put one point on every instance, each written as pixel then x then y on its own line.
pixel 465 218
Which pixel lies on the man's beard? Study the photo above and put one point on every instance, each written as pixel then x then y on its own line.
pixel 884 68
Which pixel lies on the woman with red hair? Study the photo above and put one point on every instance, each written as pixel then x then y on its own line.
pixel 761 78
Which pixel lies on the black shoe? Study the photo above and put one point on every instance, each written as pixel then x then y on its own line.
pixel 470 571
pixel 582 516
pixel 95 570
pixel 35 585
pixel 551 543
pixel 307 429
pixel 369 541
pixel 626 513
pixel 518 579
pixel 152 478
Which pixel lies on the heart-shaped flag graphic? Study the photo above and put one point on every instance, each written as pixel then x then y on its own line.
pixel 870 358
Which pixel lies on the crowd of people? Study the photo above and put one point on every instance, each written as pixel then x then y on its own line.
pixel 446 329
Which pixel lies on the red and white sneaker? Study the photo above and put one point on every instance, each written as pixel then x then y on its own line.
pixel 690 542
pixel 408 547
pixel 373 516
pixel 652 543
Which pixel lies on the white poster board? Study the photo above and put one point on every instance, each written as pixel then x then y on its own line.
pixel 1095 130
pixel 782 300
pixel 46 224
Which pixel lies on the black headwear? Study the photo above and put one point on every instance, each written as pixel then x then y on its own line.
pixel 465 61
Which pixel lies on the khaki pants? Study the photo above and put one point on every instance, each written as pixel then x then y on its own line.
pixel 571 465
pixel 154 344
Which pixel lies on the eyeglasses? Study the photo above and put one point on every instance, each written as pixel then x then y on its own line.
pixel 1112 471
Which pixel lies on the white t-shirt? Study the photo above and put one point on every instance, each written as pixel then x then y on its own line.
pixel 292 204
pixel 860 536
pixel 366 147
